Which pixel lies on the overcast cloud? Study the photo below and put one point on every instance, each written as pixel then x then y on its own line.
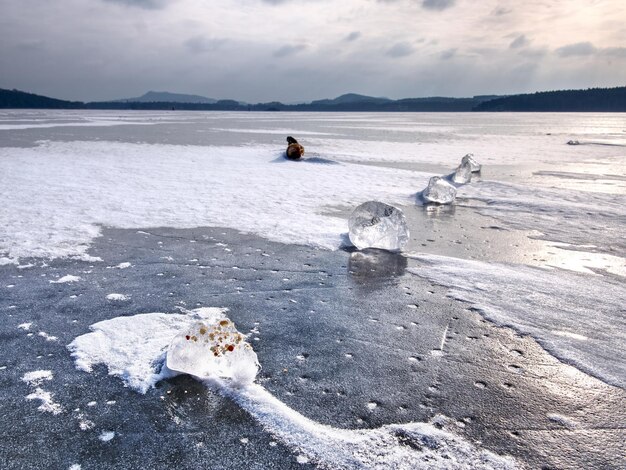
pixel 297 50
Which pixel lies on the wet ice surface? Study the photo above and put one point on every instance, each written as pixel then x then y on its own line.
pixel 335 332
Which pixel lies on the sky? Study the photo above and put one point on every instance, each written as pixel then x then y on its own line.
pixel 301 50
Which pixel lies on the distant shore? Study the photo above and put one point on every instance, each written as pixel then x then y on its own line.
pixel 590 100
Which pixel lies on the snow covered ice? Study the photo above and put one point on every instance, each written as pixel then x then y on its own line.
pixel 440 191
pixel 463 173
pixel 374 224
pixel 473 164
pixel 213 349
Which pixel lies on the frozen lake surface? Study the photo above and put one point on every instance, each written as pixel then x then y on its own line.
pixel 495 339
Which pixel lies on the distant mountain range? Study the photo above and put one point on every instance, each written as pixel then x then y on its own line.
pixel 167 97
pixel 593 99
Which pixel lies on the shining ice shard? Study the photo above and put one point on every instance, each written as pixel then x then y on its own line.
pixel 463 173
pixel 474 165
pixel 374 224
pixel 213 350
pixel 439 191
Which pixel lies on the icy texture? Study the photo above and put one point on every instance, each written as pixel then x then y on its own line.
pixel 412 446
pixel 440 191
pixel 374 224
pixel 474 165
pixel 213 349
pixel 463 173
pixel 576 318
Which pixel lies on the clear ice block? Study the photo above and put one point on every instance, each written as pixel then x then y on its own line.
pixel 474 165
pixel 374 224
pixel 440 191
pixel 463 173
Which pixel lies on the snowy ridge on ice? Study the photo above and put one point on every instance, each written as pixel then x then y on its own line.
pixel 138 359
pixel 579 319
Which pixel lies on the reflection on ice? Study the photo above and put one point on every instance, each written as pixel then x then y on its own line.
pixel 371 264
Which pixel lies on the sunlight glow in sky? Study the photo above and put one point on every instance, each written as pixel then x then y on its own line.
pixel 299 50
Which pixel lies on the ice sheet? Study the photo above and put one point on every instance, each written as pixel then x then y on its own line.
pixel 579 319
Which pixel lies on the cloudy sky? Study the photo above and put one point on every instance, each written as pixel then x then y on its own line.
pixel 299 50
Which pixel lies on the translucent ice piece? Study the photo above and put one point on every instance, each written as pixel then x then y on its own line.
pixel 213 349
pixel 463 173
pixel 474 165
pixel 440 191
pixel 374 224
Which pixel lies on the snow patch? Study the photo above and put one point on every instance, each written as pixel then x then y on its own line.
pixel 106 436
pixel 66 279
pixel 37 377
pixel 117 297
pixel 47 337
pixel 76 187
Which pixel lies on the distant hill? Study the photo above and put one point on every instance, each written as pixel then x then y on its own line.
pixel 350 98
pixel 21 99
pixel 167 97
pixel 592 99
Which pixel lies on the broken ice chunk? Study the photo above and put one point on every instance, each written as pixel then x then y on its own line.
pixel 374 224
pixel 474 165
pixel 463 173
pixel 215 350
pixel 440 191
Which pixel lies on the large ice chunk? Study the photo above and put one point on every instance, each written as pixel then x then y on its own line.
pixel 213 349
pixel 463 173
pixel 374 224
pixel 474 165
pixel 440 191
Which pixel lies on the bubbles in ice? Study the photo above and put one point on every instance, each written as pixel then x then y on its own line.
pixel 473 164
pixel 439 191
pixel 374 224
pixel 214 349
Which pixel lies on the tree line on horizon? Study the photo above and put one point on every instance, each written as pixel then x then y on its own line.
pixel 589 100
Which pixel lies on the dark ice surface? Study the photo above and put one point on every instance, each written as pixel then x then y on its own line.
pixel 334 332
